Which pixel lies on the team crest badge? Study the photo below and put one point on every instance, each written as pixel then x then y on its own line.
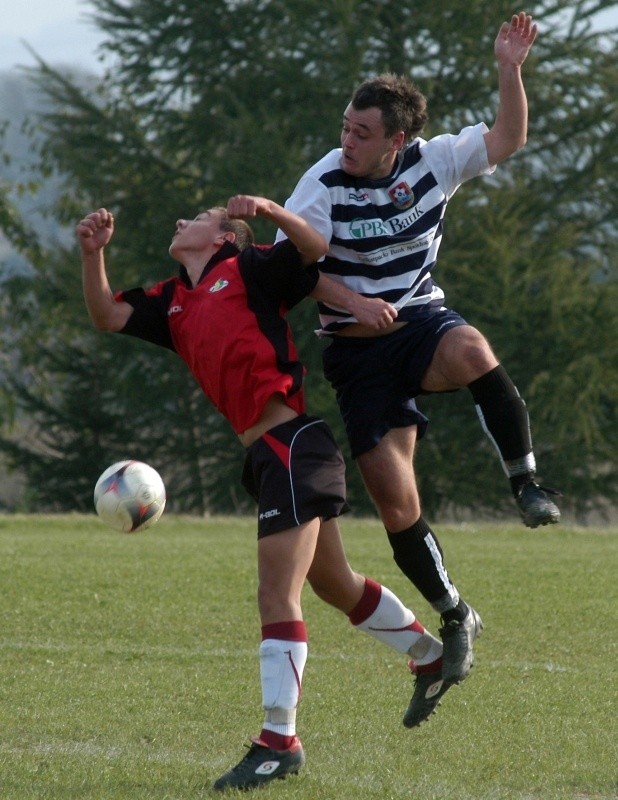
pixel 218 285
pixel 401 195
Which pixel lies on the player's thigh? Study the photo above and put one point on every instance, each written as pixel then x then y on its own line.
pixel 463 354
pixel 284 558
pixel 388 470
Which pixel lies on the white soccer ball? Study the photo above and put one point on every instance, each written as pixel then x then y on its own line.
pixel 129 496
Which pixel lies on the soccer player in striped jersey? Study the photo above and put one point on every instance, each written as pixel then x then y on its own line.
pixel 379 200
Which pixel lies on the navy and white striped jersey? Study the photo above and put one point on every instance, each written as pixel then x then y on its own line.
pixel 385 234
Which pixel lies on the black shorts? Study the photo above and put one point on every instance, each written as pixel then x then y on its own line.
pixel 377 378
pixel 295 472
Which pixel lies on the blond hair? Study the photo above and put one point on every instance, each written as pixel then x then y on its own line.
pixel 241 230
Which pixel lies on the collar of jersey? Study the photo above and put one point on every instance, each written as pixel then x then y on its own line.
pixel 227 250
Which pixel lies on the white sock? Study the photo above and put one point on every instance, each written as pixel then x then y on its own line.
pixel 282 663
pixel 381 614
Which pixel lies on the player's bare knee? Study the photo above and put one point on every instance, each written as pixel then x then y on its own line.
pixel 395 519
pixel 479 358
pixel 475 352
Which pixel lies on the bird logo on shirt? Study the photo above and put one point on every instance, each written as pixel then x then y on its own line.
pixel 218 285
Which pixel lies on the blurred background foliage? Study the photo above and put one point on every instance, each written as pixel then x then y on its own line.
pixel 204 100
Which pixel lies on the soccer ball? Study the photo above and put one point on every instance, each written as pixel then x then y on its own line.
pixel 129 496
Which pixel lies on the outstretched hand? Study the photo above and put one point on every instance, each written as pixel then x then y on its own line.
pixel 95 230
pixel 514 40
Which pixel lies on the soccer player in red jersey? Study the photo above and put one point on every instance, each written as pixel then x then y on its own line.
pixel 224 315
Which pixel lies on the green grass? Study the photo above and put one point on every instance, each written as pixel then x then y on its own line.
pixel 128 667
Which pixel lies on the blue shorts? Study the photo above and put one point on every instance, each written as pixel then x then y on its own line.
pixel 295 472
pixel 377 378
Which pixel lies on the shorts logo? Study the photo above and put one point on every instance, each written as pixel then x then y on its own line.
pixel 218 285
pixel 274 512
pixel 446 324
pixel 401 195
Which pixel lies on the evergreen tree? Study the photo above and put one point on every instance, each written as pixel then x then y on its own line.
pixel 206 100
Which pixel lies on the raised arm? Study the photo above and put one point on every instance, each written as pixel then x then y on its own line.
pixel 310 244
pixel 93 233
pixel 510 129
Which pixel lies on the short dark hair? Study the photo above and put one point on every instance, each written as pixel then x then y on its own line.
pixel 241 229
pixel 403 105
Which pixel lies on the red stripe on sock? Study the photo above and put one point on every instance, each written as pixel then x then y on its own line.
pixel 292 631
pixel 276 741
pixel 367 604
pixel 419 669
pixel 417 626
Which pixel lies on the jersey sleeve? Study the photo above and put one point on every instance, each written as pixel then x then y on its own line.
pixel 456 158
pixel 279 271
pixel 149 320
pixel 311 201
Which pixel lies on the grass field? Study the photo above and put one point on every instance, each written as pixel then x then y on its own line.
pixel 128 667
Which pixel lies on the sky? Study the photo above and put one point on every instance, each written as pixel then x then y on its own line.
pixel 62 34
pixel 59 31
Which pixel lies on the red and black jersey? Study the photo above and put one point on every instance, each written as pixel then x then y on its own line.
pixel 230 328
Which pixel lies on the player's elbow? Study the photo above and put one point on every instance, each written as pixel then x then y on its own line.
pixel 318 250
pixel 100 324
pixel 519 142
pixel 500 147
pixel 105 323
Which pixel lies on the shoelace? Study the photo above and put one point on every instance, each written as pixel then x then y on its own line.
pixel 251 749
pixel 548 489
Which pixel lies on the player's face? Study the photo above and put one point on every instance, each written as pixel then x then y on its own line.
pixel 195 234
pixel 366 150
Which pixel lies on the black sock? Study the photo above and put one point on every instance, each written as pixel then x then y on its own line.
pixel 503 413
pixel 517 481
pixel 458 613
pixel 418 555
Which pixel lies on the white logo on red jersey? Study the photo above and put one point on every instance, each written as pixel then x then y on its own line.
pixel 218 285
